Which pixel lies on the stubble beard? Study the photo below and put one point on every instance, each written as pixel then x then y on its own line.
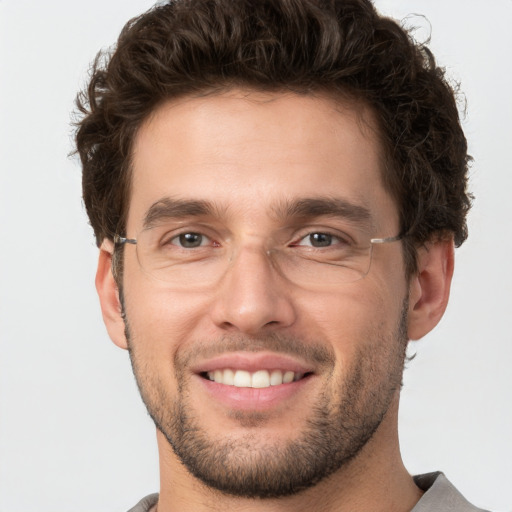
pixel 337 429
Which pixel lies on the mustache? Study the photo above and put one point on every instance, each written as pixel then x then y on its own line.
pixel 310 351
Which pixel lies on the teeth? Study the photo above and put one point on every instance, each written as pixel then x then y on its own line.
pixel 242 379
pixel 228 377
pixel 288 377
pixel 276 378
pixel 259 379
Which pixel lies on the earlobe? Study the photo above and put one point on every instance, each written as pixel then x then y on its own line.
pixel 109 296
pixel 430 288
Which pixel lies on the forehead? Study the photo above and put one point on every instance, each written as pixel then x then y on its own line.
pixel 249 152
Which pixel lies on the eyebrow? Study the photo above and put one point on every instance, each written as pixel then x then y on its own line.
pixel 169 208
pixel 324 207
pixel 305 208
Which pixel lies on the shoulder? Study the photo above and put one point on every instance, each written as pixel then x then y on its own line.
pixel 440 495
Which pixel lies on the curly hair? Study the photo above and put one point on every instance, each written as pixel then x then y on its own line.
pixel 339 47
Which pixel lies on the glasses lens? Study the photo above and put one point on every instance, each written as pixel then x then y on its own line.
pixel 192 261
pixel 315 270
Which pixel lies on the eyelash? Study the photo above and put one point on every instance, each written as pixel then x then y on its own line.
pixel 336 239
pixel 180 245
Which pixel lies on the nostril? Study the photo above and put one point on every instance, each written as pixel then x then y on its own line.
pixel 228 326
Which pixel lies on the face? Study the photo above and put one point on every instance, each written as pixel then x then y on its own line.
pixel 263 368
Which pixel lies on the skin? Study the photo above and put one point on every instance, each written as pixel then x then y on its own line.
pixel 250 151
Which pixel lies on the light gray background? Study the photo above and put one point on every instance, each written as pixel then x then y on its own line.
pixel 74 435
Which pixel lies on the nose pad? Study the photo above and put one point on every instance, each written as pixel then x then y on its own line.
pixel 253 296
pixel 285 266
pixel 273 260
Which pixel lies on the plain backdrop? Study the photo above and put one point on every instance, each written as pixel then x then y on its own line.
pixel 74 435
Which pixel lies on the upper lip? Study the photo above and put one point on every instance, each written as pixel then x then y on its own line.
pixel 252 362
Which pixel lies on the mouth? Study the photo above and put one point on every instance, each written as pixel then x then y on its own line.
pixel 254 381
pixel 259 379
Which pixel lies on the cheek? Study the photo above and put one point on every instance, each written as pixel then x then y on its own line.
pixel 162 321
pixel 359 317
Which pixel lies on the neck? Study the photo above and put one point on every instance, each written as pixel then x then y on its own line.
pixel 375 481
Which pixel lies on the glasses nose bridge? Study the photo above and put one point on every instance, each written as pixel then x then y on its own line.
pixel 257 246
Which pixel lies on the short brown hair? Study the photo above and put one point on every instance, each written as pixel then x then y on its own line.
pixel 188 47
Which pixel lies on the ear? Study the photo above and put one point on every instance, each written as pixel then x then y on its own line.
pixel 429 289
pixel 109 296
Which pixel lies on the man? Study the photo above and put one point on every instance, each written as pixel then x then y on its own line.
pixel 276 189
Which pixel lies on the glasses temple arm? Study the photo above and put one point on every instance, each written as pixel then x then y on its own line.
pixel 122 240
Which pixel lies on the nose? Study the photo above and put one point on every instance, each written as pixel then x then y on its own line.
pixel 252 296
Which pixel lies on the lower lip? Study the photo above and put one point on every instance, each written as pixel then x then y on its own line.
pixel 253 399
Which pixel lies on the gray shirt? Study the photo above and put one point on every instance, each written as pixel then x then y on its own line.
pixel 440 496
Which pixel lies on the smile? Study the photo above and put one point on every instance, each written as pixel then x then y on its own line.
pixel 258 379
pixel 254 381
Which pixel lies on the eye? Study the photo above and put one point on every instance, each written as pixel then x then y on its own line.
pixel 190 240
pixel 319 240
